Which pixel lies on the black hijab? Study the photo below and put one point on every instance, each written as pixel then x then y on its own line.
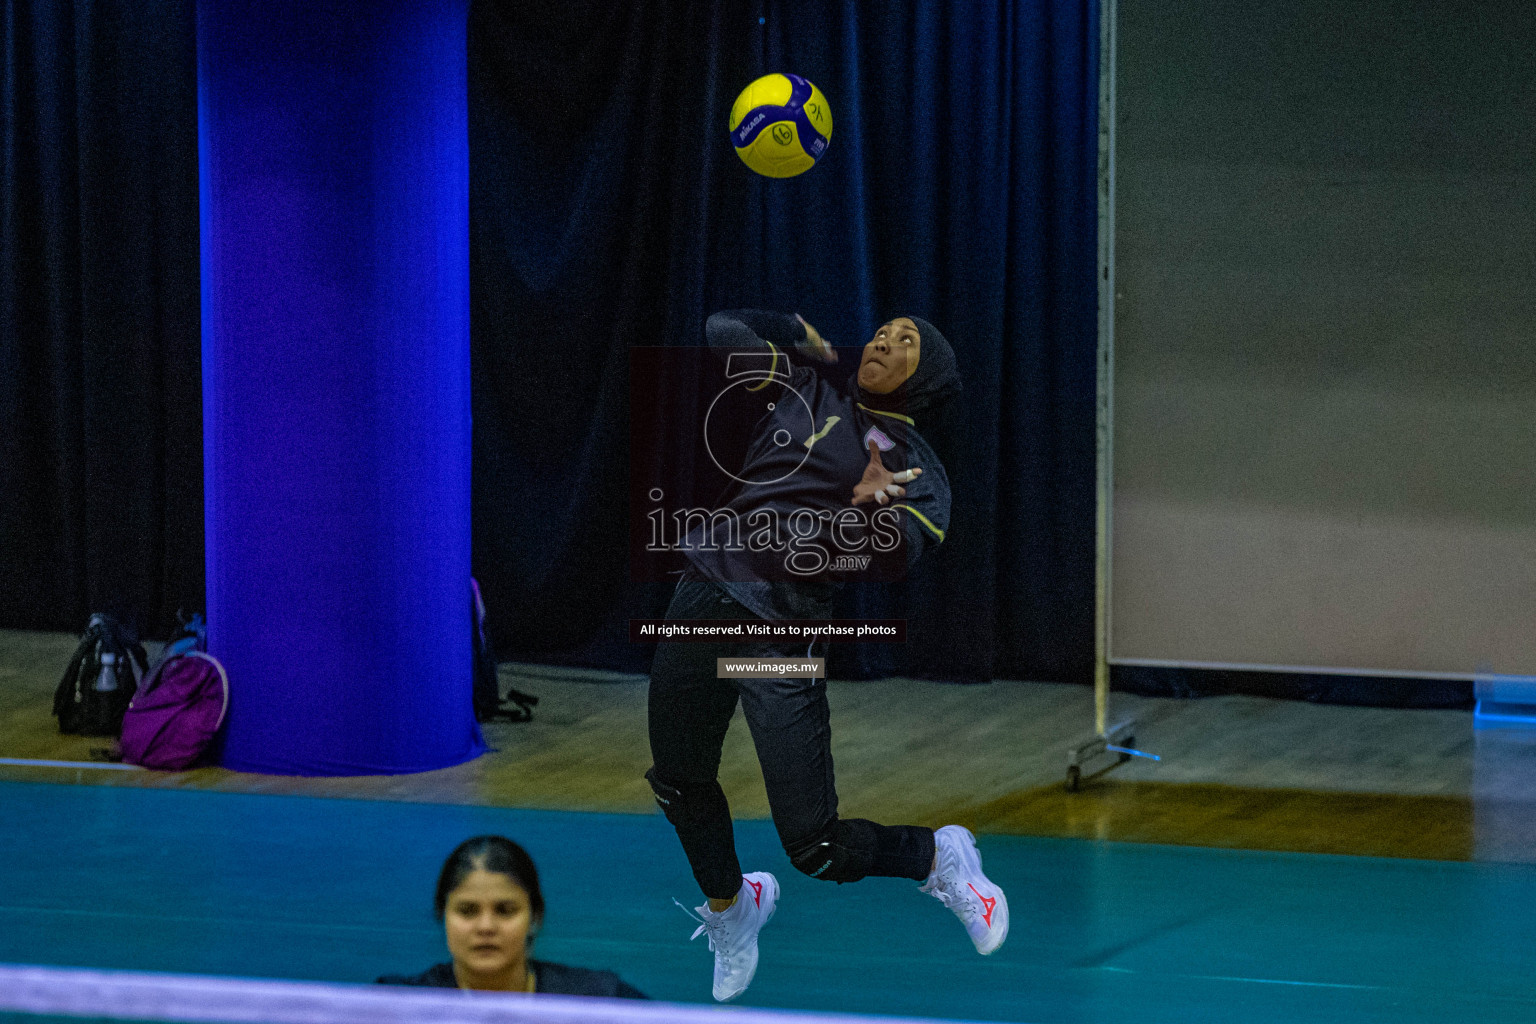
pixel 936 380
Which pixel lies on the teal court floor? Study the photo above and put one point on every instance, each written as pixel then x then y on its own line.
pixel 340 890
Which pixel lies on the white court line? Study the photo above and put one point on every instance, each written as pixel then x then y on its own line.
pixel 112 766
pixel 213 1000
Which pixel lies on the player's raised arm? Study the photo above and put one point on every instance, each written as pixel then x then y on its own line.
pixel 748 329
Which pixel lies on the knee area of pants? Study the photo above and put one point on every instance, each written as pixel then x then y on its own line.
pixel 823 856
pixel 666 796
pixel 682 803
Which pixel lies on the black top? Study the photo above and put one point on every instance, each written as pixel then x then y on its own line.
pixel 807 452
pixel 551 979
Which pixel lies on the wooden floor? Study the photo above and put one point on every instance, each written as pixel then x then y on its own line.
pixel 1236 771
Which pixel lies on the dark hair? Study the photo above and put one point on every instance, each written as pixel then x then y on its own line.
pixel 498 855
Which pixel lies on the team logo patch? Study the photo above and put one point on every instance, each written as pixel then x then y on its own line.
pixel 882 442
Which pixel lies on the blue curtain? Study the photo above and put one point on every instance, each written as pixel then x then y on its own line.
pixel 101 503
pixel 608 211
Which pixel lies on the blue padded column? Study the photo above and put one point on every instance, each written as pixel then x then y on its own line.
pixel 335 257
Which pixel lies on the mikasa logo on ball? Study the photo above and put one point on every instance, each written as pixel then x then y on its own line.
pixel 746 129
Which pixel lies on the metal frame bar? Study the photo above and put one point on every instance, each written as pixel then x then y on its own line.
pixel 1088 751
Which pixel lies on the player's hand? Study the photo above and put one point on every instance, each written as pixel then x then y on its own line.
pixel 879 484
pixel 814 344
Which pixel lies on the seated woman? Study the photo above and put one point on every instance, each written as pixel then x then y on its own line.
pixel 489 901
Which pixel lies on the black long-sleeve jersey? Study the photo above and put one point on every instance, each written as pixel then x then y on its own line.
pixel 785 533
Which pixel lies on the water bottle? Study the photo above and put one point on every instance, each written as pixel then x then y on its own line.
pixel 106 682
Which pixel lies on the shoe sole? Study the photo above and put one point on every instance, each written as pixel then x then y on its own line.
pixel 998 932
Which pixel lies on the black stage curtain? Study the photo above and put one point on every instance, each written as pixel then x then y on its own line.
pixel 609 211
pixel 101 505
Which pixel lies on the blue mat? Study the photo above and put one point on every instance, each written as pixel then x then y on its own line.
pixel 340 890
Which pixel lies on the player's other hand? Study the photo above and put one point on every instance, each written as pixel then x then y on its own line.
pixel 814 344
pixel 879 484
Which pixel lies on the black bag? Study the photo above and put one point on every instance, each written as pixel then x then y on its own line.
pixel 489 703
pixel 101 679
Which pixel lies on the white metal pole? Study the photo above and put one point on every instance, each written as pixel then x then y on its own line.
pixel 1106 363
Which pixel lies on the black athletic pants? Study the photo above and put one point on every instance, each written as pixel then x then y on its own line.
pixel 689 712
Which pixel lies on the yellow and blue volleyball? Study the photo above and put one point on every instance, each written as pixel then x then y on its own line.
pixel 780 125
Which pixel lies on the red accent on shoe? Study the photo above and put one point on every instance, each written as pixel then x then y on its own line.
pixel 990 904
pixel 757 893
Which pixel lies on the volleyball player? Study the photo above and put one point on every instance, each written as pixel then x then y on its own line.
pixel 860 450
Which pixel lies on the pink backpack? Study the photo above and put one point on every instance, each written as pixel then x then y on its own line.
pixel 177 712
